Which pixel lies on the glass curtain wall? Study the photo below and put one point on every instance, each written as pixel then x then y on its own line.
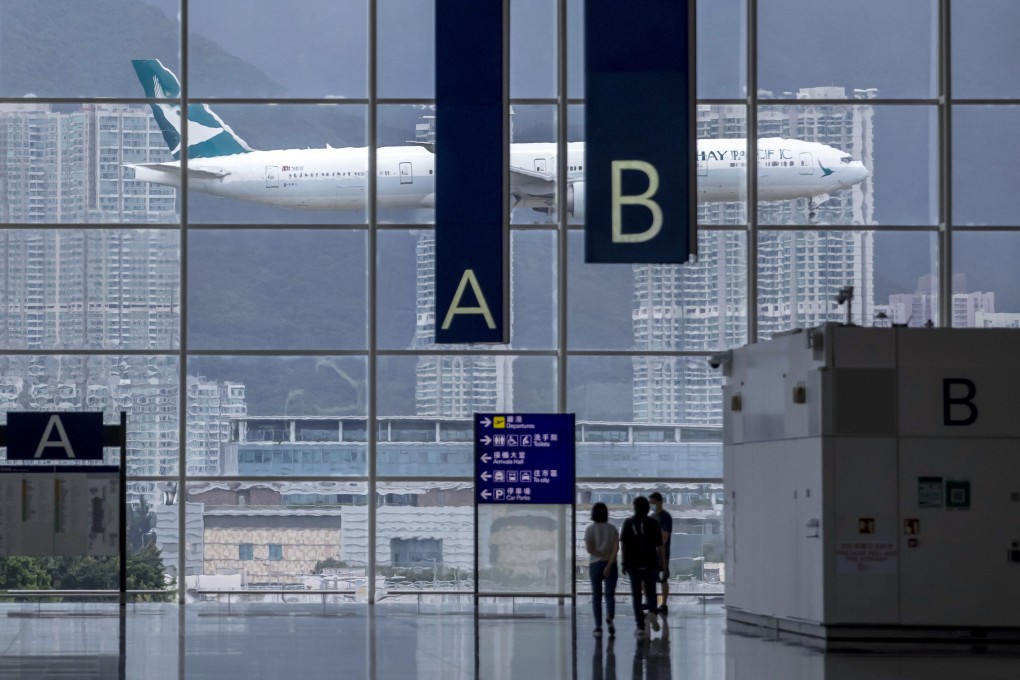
pixel 256 288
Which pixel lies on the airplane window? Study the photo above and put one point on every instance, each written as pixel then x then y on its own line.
pixel 847 159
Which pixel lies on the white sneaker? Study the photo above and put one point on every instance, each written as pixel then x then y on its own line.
pixel 653 621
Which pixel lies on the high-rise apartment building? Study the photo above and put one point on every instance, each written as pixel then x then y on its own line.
pixel 970 309
pixel 107 289
pixel 211 406
pixel 89 288
pixel 61 166
pixel 703 305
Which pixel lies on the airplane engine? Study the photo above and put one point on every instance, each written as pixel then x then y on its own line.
pixel 575 200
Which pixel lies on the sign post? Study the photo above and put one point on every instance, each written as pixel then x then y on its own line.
pixel 472 171
pixel 524 459
pixel 527 459
pixel 639 127
pixel 54 436
pixel 65 509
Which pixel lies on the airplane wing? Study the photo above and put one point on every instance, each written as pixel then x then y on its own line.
pixel 529 176
pixel 172 171
pixel 428 146
pixel 531 188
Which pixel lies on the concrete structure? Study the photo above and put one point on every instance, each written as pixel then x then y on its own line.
pixel 866 470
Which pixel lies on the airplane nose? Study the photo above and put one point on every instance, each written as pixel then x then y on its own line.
pixel 855 174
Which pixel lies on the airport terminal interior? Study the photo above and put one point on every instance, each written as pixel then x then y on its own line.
pixel 300 454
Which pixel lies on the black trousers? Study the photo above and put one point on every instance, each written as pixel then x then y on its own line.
pixel 647 578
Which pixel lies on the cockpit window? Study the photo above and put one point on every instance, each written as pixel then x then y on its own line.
pixel 846 159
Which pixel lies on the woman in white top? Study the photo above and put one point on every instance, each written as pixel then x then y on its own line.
pixel 602 541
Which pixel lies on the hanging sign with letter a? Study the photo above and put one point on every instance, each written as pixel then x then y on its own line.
pixel 471 164
pixel 639 129
pixel 54 436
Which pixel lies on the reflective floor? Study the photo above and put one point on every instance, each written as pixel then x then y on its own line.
pixel 408 641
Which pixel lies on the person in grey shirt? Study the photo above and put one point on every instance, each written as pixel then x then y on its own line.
pixel 602 541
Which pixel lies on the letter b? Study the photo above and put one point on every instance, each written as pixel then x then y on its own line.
pixel 948 401
pixel 644 199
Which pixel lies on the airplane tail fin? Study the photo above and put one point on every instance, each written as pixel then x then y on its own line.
pixel 208 135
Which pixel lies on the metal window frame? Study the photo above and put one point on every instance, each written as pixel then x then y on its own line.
pixel 942 103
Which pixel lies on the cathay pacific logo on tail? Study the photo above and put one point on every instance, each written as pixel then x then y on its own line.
pixel 208 136
pixel 197 133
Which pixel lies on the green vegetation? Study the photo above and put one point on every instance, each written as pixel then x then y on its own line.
pixel 145 568
pixel 713 552
pixel 144 572
pixel 328 563
pixel 24 573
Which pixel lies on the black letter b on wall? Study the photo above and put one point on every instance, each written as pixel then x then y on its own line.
pixel 963 401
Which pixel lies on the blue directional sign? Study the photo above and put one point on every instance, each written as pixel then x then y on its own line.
pixel 639 131
pixel 54 436
pixel 524 458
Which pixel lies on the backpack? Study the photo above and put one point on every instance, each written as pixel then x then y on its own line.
pixel 641 536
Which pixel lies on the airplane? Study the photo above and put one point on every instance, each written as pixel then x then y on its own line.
pixel 222 164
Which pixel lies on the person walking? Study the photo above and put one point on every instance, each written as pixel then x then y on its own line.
pixel 665 520
pixel 602 541
pixel 641 539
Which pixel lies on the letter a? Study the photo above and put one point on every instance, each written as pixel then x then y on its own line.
pixel 455 308
pixel 641 199
pixel 61 443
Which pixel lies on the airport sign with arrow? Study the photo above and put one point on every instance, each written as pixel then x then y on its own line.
pixel 524 458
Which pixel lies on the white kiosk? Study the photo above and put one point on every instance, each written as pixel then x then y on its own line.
pixel 872 482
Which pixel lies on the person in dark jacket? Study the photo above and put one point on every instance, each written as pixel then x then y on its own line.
pixel 665 520
pixel 643 559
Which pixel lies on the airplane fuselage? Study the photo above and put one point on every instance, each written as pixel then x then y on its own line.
pixel 336 178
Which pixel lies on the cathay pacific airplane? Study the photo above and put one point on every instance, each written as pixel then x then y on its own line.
pixel 222 164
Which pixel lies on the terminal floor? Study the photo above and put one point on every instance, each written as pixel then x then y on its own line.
pixel 405 642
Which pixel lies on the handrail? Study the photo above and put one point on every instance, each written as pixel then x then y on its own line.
pixel 298 591
pixel 272 591
pixel 61 593
pixel 429 591
pixel 682 593
pixel 510 593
